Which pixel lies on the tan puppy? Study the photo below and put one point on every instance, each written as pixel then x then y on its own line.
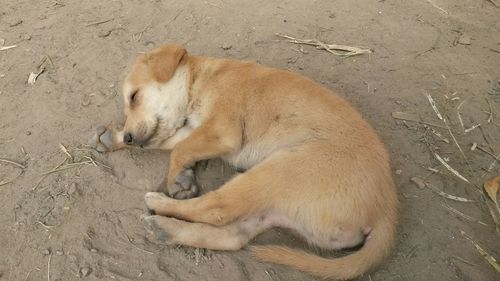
pixel 313 164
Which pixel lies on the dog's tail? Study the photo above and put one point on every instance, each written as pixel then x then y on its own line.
pixel 377 247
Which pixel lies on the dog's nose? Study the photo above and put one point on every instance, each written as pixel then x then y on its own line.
pixel 127 138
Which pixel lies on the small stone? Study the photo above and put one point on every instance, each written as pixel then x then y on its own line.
pixel 46 252
pixel 399 172
pixel 226 46
pixel 419 182
pixel 59 253
pixel 85 271
pixel 464 40
pixel 28 133
pixel 104 33
pixel 93 250
pixel 27 37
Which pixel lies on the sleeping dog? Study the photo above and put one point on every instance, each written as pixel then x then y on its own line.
pixel 312 163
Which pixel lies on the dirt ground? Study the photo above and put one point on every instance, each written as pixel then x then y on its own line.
pixel 82 221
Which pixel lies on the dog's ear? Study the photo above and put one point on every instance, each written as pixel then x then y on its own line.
pixel 163 61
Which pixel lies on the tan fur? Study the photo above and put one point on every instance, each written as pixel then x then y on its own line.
pixel 314 165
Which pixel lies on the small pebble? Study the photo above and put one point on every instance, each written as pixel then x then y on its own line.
pixel 419 182
pixel 399 172
pixel 464 40
pixel 46 252
pixel 59 253
pixel 28 133
pixel 226 46
pixel 93 250
pixel 85 271
pixel 104 33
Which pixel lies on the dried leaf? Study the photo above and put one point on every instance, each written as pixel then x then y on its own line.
pixel 491 187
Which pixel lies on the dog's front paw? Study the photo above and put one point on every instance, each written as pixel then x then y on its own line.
pixel 104 139
pixel 184 187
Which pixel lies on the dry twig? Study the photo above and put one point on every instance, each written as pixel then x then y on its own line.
pixel 338 50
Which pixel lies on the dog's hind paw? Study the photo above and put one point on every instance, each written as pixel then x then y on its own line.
pixel 104 139
pixel 153 228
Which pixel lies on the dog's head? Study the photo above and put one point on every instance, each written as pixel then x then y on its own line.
pixel 156 96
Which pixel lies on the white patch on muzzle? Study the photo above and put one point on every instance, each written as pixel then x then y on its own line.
pixel 166 103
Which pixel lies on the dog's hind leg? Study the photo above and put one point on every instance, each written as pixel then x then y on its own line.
pixel 216 207
pixel 230 237
pixel 247 194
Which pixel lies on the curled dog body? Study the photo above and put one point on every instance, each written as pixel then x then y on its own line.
pixel 312 163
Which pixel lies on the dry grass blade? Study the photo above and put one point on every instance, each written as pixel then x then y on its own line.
pixel 99 22
pixel 453 171
pixel 413 118
pixel 468 130
pixel 44 176
pixel 338 50
pixel 3 48
pixel 65 151
pixel 48 267
pixel 446 195
pixel 460 115
pixel 489 258
pixel 434 106
pixel 457 212
pixel 11 180
pixel 490 117
pixel 65 167
pixel 19 165
pixel 29 273
pixel 492 165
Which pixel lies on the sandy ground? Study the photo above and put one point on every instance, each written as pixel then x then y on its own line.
pixel 83 221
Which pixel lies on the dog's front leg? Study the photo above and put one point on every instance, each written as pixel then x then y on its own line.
pixel 215 138
pixel 107 139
